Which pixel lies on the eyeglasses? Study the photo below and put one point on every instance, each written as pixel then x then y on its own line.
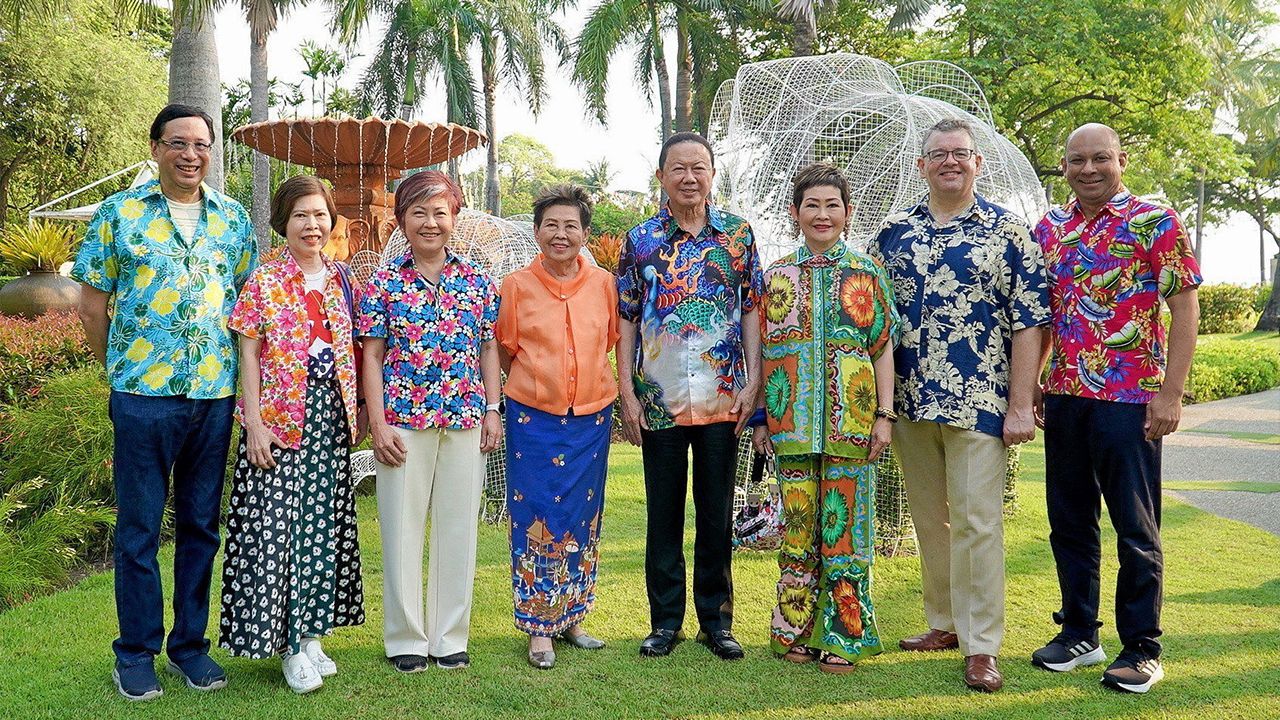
pixel 182 145
pixel 960 154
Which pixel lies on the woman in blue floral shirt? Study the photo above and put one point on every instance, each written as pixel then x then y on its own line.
pixel 432 379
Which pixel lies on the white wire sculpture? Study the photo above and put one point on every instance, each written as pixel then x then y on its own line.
pixel 862 115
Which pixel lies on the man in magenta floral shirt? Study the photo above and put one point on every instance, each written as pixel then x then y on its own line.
pixel 1112 393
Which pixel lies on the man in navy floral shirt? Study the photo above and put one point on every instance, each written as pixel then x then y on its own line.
pixel 970 287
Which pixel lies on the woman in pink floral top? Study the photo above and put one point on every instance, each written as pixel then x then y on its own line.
pixel 292 569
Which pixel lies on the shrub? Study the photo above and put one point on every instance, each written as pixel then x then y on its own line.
pixel 609 218
pixel 1229 368
pixel 606 249
pixel 1226 308
pixel 38 246
pixel 6 279
pixel 39 546
pixel 34 351
pixel 1262 294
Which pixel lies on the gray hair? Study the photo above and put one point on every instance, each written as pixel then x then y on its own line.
pixel 947 125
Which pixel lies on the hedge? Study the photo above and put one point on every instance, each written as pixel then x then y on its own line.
pixel 1227 368
pixel 1226 308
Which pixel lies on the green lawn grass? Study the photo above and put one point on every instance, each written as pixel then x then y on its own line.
pixel 1239 486
pixel 1222 643
pixel 1264 337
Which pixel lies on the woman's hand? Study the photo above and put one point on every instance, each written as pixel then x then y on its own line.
pixel 362 425
pixel 761 440
pixel 490 431
pixel 388 448
pixel 881 436
pixel 258 443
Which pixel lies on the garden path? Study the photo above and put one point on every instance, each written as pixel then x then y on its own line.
pixel 1225 459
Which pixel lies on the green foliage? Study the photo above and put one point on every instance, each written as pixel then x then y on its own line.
pixel 34 351
pixel 39 246
pixel 1227 308
pixel 39 546
pixel 1226 368
pixel 609 218
pixel 79 90
pixel 6 279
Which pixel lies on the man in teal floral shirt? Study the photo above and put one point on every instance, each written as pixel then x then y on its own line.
pixel 970 286
pixel 172 254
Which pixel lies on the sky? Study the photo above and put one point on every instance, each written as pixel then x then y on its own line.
pixel 629 141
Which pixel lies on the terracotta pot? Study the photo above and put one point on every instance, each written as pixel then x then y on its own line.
pixel 37 293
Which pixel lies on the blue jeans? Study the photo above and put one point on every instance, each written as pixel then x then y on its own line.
pixel 154 437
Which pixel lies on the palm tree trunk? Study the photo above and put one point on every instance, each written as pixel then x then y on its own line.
pixel 684 75
pixel 489 79
pixel 259 110
pixel 660 68
pixel 194 79
pixel 803 37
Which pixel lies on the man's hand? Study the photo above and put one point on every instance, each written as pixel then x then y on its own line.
pixel 1019 426
pixel 632 417
pixel 1164 412
pixel 761 441
pixel 1037 405
pixel 744 404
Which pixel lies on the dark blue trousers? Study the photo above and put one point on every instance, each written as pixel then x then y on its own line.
pixel 666 472
pixel 1096 450
pixel 156 437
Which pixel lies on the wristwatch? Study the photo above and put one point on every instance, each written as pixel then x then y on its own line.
pixel 887 414
pixel 494 407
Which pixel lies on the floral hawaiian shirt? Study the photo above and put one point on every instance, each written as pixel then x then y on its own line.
pixel 168 334
pixel 688 294
pixel 271 308
pixel 826 318
pixel 431 372
pixel 1107 277
pixel 963 288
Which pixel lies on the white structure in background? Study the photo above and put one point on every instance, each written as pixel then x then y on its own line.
pixel 862 115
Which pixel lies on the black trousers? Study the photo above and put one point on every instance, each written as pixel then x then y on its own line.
pixel 666 469
pixel 1095 449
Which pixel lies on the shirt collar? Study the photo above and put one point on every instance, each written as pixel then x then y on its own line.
pixel 980 203
pixel 714 218
pixel 291 269
pixel 560 288
pixel 1116 206
pixel 151 188
pixel 835 252
pixel 406 260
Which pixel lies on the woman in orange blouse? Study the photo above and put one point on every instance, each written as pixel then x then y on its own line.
pixel 557 320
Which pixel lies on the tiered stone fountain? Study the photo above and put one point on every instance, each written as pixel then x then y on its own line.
pixel 360 157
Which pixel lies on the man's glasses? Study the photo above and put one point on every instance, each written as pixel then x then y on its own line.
pixel 182 145
pixel 960 154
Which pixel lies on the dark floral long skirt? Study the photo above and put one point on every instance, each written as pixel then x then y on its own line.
pixel 292 566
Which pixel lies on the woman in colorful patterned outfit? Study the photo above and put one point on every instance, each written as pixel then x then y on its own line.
pixel 556 323
pixel 433 380
pixel 292 568
pixel 829 324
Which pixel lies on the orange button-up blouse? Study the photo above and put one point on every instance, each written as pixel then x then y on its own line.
pixel 558 335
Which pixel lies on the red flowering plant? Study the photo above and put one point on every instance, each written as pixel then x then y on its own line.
pixel 34 351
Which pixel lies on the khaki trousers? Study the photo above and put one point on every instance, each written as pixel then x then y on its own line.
pixel 955 487
pixel 443 471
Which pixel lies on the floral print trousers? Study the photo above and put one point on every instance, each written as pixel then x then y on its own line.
pixel 828 542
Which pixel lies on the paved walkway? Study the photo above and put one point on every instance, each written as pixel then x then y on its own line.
pixel 1236 440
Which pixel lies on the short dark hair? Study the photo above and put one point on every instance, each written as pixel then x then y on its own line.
pixel 947 125
pixel 427 184
pixel 818 174
pixel 293 190
pixel 176 111
pixel 564 194
pixel 685 137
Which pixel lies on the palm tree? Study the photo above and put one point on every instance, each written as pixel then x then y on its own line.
pixel 611 25
pixel 193 70
pixel 803 15
pixel 436 35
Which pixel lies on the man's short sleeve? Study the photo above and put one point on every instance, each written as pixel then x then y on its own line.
pixel 96 264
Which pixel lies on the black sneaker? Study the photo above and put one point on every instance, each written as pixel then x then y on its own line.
pixel 137 682
pixel 199 672
pixel 1065 652
pixel 409 663
pixel 456 661
pixel 1133 672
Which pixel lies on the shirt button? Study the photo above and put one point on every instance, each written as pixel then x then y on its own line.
pixel 562 296
pixel 570 351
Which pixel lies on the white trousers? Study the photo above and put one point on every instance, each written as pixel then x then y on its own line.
pixel 443 472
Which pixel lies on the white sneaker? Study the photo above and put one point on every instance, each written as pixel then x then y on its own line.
pixel 301 674
pixel 323 663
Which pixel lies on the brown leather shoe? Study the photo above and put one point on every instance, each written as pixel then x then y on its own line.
pixel 932 641
pixel 981 673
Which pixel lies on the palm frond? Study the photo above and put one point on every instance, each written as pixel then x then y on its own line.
pixel 608 26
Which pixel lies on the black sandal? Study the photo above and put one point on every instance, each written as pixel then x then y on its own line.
pixel 800 654
pixel 832 663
